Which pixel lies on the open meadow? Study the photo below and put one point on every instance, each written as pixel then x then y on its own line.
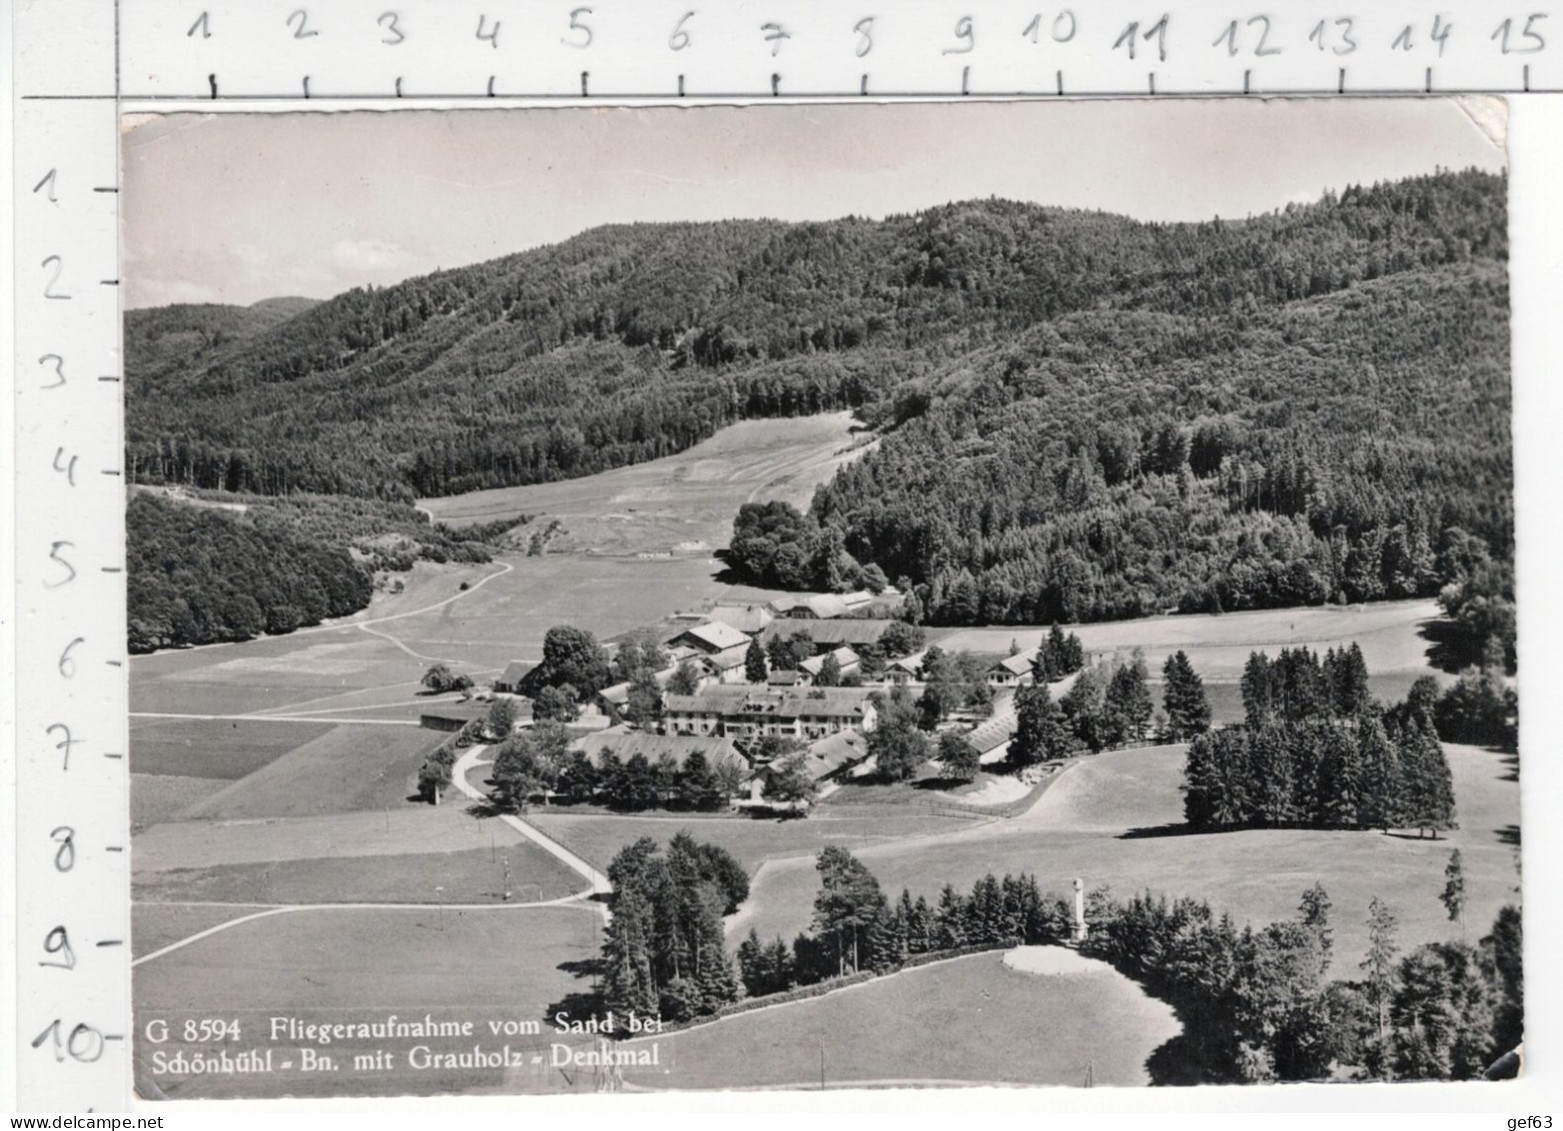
pixel 284 789
pixel 503 963
pixel 1116 819
pixel 968 1021
pixel 679 503
pixel 1393 636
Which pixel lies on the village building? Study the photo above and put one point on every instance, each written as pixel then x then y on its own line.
pixel 710 638
pixel 510 680
pixel 828 759
pixel 624 744
pixel 822 606
pixel 726 666
pixel 757 712
pixel 908 669
pixel 847 660
pixel 1011 671
pixel 781 677
pixel 828 635
pixel 991 738
pixel 452 716
pixel 751 620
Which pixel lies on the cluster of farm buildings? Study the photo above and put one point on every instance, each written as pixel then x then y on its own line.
pixel 727 715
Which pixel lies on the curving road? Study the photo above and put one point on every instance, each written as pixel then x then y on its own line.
pixel 599 883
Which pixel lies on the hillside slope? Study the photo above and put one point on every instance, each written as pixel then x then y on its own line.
pixel 626 343
pixel 1083 416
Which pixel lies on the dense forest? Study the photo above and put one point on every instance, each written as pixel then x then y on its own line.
pixel 203 571
pixel 1083 416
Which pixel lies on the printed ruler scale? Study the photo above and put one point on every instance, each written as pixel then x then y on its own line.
pixel 80 63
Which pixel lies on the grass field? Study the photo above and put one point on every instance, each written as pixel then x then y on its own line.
pixel 598 838
pixel 1114 819
pixel 684 502
pixel 1390 634
pixel 347 769
pixel 471 876
pixel 218 749
pixel 231 809
pixel 971 1020
pixel 500 964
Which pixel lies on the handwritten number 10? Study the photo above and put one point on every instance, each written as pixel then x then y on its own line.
pixel 85 1044
pixel 1063 30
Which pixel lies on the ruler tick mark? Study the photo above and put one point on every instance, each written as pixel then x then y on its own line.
pixel 112 942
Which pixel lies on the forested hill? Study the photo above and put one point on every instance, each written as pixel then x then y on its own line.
pixel 163 339
pixel 990 328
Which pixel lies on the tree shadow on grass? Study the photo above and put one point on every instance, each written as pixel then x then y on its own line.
pixel 1148 832
pixel 484 809
pixel 1175 1063
pixel 583 1004
pixel 1448 649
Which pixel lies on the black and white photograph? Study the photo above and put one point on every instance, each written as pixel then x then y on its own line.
pixel 821 596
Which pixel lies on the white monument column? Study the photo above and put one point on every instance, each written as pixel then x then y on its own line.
pixel 1079 929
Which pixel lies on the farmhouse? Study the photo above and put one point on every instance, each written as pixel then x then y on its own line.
pixel 452 716
pixel 754 712
pixel 747 619
pixel 509 681
pixel 828 759
pixel 991 738
pixel 832 757
pixel 726 666
pixel 908 669
pixel 709 639
pixel 782 678
pixel 848 661
pixel 625 744
pixel 1011 671
pixel 828 635
pixel 612 700
pixel 822 606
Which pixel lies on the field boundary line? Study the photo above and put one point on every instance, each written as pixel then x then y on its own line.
pixel 288 908
pixel 277 719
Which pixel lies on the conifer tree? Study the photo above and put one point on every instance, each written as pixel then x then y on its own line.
pixel 755 669
pixel 1379 806
pixel 1183 698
